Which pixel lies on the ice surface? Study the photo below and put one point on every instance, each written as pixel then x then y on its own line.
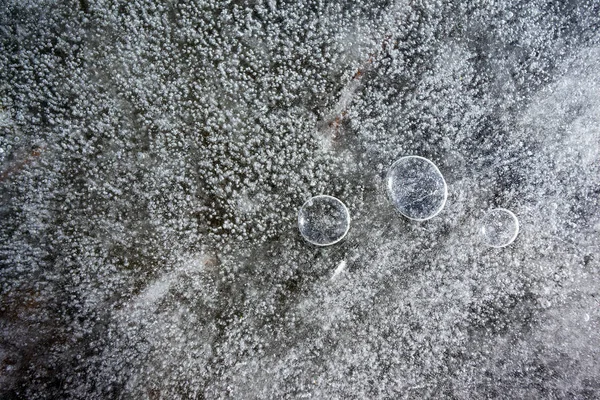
pixel 323 220
pixel 154 156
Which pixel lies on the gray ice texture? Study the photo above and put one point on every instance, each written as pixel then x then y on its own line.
pixel 154 156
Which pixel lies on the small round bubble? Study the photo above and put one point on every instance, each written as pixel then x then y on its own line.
pixel 499 227
pixel 323 220
pixel 416 188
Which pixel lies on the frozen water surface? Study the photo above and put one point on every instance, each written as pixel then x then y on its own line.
pixel 323 220
pixel 154 155
pixel 416 187
pixel 499 227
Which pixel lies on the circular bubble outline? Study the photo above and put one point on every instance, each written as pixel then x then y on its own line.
pixel 389 194
pixel 325 196
pixel 512 215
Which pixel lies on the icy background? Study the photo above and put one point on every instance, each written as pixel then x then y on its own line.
pixel 154 155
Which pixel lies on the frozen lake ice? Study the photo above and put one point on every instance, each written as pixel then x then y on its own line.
pixel 154 156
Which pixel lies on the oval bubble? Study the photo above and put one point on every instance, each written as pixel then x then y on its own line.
pixel 323 220
pixel 416 188
pixel 499 227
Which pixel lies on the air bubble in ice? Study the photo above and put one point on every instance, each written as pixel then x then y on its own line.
pixel 499 227
pixel 416 188
pixel 323 220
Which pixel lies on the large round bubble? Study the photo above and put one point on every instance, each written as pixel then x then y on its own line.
pixel 323 220
pixel 416 188
pixel 499 227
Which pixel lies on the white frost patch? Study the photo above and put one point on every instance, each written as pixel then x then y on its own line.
pixel 244 204
pixel 5 119
pixel 157 290
pixel 340 268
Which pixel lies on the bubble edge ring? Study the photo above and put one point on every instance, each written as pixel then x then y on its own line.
pixel 391 200
pixel 345 210
pixel 513 238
